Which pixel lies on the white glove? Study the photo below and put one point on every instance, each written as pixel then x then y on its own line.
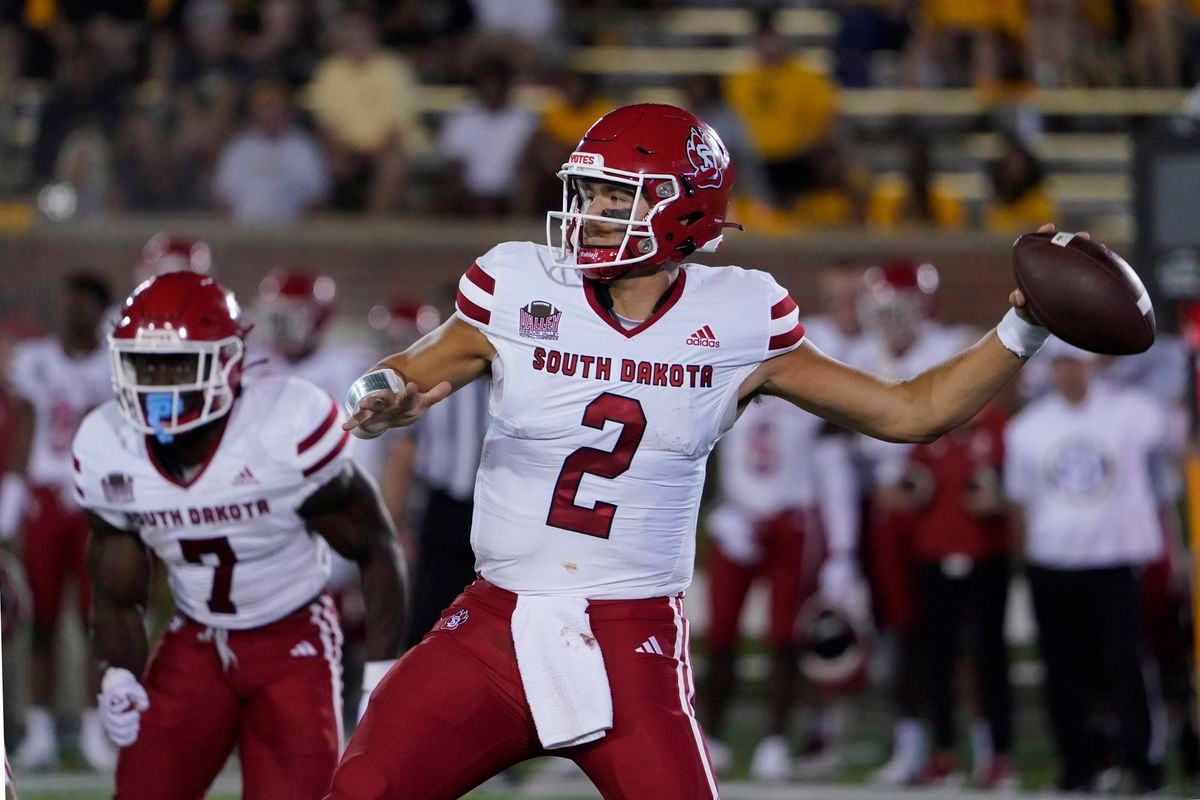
pixel 842 584
pixel 14 496
pixel 122 700
pixel 373 672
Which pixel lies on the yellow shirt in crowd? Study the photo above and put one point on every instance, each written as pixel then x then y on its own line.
pixel 1030 210
pixel 788 109
pixel 363 103
pixel 568 124
pixel 890 207
pixel 1009 16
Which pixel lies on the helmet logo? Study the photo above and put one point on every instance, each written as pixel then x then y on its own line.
pixel 708 173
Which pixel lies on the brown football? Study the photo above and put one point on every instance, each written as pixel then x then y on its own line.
pixel 1084 293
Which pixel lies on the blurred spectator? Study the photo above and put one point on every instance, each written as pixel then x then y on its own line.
pixel 1020 201
pixel 273 172
pixel 943 28
pixel 1076 469
pixel 961 545
pixel 565 118
pixel 914 197
pixel 83 170
pixel 144 163
pixel 207 61
pixel 281 46
pixel 705 100
pixel 364 100
pixel 83 96
pixel 790 111
pixel 523 31
pixel 834 196
pixel 864 28
pixel 435 35
pixel 1153 49
pixel 481 179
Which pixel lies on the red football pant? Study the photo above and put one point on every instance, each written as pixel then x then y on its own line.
pixel 280 703
pixel 892 570
pixel 55 543
pixel 788 561
pixel 452 712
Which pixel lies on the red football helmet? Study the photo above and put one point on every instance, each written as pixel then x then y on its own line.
pixel 177 354
pixel 293 309
pixel 900 295
pixel 403 322
pixel 673 161
pixel 168 253
pixel 833 647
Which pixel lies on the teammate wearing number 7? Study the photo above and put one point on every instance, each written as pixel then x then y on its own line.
pixel 615 368
pixel 239 490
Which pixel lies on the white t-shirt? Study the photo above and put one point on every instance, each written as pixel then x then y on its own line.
pixel 593 465
pixel 270 180
pixel 1082 475
pixel 489 144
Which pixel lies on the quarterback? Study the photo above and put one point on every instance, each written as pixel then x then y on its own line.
pixel 239 490
pixel 615 368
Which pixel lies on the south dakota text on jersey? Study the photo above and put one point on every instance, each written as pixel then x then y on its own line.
pixel 649 373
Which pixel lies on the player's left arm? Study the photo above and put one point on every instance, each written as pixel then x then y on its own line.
pixel 348 512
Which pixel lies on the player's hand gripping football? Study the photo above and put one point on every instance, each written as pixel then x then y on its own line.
pixel 1017 297
pixel 379 400
pixel 122 700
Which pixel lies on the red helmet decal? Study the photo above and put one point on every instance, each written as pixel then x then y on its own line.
pixel 708 172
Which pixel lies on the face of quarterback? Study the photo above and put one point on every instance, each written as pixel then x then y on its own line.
pixel 605 199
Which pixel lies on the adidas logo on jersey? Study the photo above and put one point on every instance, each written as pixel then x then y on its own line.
pixel 303 649
pixel 650 646
pixel 245 478
pixel 703 338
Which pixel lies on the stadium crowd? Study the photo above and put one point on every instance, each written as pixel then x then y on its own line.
pixel 268 111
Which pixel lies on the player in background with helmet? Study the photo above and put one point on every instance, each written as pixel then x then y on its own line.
pixel 54 381
pixel 902 340
pixel 240 491
pixel 573 640
pixel 165 252
pixel 954 497
pixel 781 485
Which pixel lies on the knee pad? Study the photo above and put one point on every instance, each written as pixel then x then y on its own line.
pixel 358 778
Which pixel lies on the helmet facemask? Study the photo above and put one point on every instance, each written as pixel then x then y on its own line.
pixel 165 385
pixel 638 244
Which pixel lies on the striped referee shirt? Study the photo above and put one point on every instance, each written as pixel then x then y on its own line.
pixel 450 439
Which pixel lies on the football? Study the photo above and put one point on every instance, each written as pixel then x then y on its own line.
pixel 1084 293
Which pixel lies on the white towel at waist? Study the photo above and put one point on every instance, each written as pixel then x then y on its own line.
pixel 562 670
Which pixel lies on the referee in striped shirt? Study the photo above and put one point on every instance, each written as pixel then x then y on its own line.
pixel 438 458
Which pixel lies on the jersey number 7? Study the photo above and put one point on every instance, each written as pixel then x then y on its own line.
pixel 194 550
pixel 597 521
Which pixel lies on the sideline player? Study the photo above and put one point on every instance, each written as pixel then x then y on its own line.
pixel 239 490
pixel 573 640
pixel 54 381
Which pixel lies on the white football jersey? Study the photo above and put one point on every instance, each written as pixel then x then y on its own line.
pixel 238 554
pixel 826 336
pixel 62 390
pixel 593 465
pixel 935 344
pixel 765 462
pixel 331 367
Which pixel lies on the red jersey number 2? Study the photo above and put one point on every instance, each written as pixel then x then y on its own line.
pixel 597 521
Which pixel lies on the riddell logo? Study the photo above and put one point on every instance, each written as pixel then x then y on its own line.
pixel 703 338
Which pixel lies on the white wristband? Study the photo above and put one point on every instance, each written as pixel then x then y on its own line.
pixel 14 494
pixel 1021 337
pixel 373 672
